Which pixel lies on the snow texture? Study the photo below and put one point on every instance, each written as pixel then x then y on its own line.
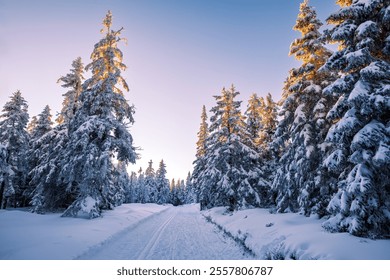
pixel 150 231
pixel 294 236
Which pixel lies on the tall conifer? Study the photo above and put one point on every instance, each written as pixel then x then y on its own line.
pixel 359 156
pixel 99 130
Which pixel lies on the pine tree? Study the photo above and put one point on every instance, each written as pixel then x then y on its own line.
pixel 268 124
pixel 43 124
pixel 150 183
pixel 38 148
pixel 174 193
pixel 99 130
pixel 131 192
pixel 51 190
pixel 201 148
pixel 73 81
pixel 182 189
pixel 254 118
pixel 231 174
pixel 302 127
pixel 191 192
pixel 32 124
pixel 359 137
pixel 6 188
pixel 143 192
pixel 14 137
pixel 121 180
pixel 162 184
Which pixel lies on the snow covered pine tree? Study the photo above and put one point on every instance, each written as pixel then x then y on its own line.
pixel 14 137
pixel 360 134
pixel 99 131
pixel 261 121
pixel 162 184
pixel 50 192
pixel 231 174
pixel 302 128
pixel 38 153
pixel 200 161
pixel 73 81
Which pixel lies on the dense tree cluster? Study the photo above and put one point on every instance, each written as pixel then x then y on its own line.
pixel 154 187
pixel 79 164
pixel 329 154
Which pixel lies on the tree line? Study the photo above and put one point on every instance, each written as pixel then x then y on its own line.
pixel 325 148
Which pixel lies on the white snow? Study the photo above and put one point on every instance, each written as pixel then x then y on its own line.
pixel 366 28
pixel 149 231
pixel 365 2
pixel 359 91
pixel 299 115
pixel 180 233
pixel 26 235
pixel 292 235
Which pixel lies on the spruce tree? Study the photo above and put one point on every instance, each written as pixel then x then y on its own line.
pixel 182 190
pixel 6 188
pixel 32 124
pixel 52 192
pixel 268 124
pixel 131 190
pixel 150 183
pixel 231 174
pixel 162 184
pixel 73 81
pixel 49 192
pixel 38 149
pixel 302 127
pixel 143 193
pixel 191 192
pixel 42 125
pixel 99 130
pixel 201 147
pixel 14 137
pixel 254 118
pixel 174 193
pixel 122 180
pixel 359 137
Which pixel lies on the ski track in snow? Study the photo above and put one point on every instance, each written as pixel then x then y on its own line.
pixel 175 234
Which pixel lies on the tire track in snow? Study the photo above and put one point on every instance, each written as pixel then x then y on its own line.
pixel 95 249
pixel 156 238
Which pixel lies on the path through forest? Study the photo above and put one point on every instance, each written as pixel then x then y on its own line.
pixel 176 233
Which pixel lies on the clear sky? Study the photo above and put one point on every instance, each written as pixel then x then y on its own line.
pixel 179 54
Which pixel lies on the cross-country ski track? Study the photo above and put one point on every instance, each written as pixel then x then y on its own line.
pixel 176 233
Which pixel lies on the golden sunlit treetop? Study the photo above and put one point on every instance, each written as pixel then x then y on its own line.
pixel 344 3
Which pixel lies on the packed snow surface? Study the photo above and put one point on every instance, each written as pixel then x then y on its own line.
pixel 294 236
pixel 26 235
pixel 149 231
pixel 180 233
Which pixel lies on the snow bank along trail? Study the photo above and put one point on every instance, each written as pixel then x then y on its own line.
pixel 177 233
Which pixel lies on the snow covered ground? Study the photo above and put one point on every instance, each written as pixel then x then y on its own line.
pixel 180 233
pixel 293 236
pixel 30 236
pixel 149 231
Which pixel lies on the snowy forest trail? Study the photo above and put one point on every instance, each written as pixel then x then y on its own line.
pixel 178 233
